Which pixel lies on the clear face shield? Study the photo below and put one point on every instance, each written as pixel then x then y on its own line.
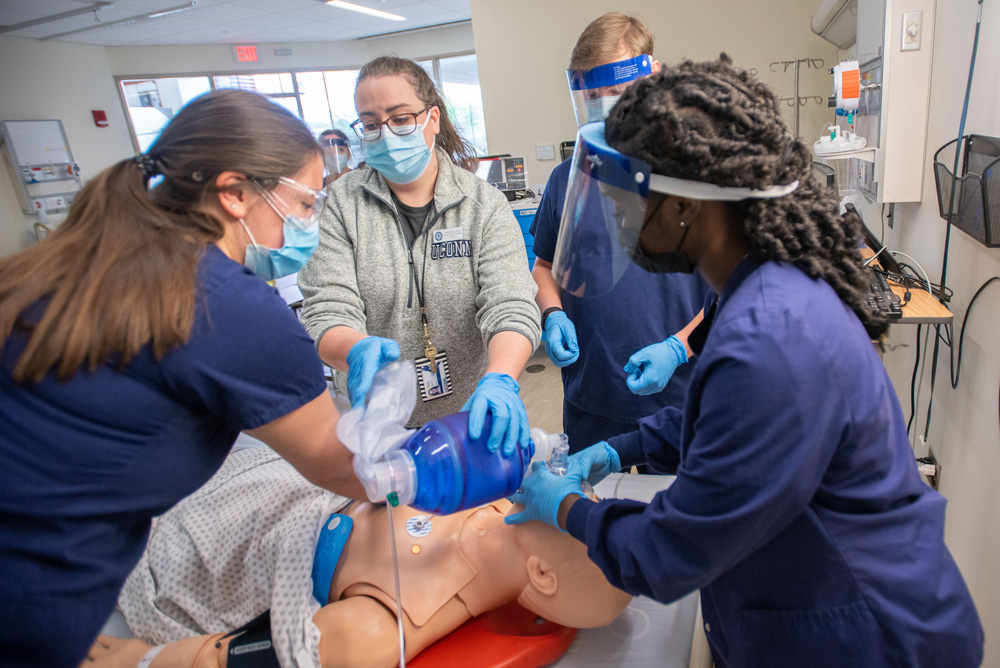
pixel 607 208
pixel 604 214
pixel 596 90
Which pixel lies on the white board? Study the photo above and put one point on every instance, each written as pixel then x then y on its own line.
pixel 37 142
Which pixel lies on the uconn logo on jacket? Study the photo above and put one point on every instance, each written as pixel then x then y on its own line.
pixel 450 243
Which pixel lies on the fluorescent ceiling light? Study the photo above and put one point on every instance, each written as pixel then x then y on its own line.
pixel 55 17
pixel 174 10
pixel 191 4
pixel 364 10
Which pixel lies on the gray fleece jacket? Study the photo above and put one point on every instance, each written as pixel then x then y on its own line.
pixel 469 263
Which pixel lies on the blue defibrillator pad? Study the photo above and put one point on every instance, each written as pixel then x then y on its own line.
pixel 332 539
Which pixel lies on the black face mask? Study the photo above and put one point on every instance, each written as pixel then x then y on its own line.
pixel 669 262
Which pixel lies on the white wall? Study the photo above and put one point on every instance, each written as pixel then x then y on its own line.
pixel 160 60
pixel 65 81
pixel 964 427
pixel 523 49
pixel 41 80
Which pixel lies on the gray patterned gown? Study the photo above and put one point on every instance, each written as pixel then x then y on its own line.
pixel 241 544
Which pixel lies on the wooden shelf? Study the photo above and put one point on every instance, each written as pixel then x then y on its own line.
pixel 922 308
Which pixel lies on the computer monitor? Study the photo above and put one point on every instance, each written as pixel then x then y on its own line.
pixel 504 173
pixel 885 258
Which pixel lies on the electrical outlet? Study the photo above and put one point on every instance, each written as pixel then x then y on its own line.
pixel 929 465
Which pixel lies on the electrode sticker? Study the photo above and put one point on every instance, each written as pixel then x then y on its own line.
pixel 418 526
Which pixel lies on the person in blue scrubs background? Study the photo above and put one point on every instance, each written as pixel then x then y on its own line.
pixel 797 509
pixel 593 340
pixel 136 341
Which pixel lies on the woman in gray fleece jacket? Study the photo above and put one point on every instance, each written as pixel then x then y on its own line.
pixel 419 258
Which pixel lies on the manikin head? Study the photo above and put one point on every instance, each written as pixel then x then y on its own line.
pixel 548 569
pixel 564 585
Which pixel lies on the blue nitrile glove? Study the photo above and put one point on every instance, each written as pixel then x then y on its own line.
pixel 541 494
pixel 364 360
pixel 595 463
pixel 497 393
pixel 560 339
pixel 650 369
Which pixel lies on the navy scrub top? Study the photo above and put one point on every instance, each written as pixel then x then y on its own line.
pixel 797 509
pixel 87 463
pixel 641 309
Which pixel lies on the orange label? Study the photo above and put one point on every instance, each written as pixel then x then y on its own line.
pixel 850 84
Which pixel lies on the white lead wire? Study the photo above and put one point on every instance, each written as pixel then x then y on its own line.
pixel 399 606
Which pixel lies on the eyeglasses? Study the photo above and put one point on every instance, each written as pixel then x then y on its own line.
pixel 334 142
pixel 400 124
pixel 289 197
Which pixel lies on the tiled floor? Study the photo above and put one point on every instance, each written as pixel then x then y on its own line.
pixel 542 392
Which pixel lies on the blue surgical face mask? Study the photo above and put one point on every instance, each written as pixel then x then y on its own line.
pixel 301 239
pixel 399 159
pixel 599 107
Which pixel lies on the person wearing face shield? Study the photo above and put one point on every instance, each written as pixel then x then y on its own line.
pixel 136 342
pixel 420 259
pixel 336 154
pixel 797 510
pixel 595 340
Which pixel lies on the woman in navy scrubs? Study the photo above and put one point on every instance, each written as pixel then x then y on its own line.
pixel 797 509
pixel 136 342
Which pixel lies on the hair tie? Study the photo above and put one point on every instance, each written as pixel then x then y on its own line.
pixel 147 164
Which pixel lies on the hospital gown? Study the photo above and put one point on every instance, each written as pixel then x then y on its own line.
pixel 240 545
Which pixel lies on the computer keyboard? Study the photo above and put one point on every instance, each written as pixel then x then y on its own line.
pixel 881 296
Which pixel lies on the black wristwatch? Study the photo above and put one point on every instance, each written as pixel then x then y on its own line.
pixel 546 312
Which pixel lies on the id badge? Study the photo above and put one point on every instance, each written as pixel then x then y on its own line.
pixel 433 384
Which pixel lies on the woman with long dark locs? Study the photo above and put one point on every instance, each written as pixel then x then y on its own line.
pixel 797 510
pixel 136 342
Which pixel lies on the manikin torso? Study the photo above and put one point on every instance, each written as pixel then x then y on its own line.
pixel 433 571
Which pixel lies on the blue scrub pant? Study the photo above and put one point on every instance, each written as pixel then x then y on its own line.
pixel 584 429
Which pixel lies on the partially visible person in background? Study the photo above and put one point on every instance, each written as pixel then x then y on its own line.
pixel 594 339
pixel 336 154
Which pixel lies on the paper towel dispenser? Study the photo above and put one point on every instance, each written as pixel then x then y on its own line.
pixel 836 21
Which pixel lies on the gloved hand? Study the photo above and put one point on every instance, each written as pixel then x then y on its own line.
pixel 650 369
pixel 541 494
pixel 595 463
pixel 560 339
pixel 497 393
pixel 364 359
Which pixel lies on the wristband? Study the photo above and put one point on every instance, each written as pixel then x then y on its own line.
pixel 150 655
pixel 546 312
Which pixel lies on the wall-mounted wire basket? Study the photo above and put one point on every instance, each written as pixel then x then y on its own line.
pixel 976 206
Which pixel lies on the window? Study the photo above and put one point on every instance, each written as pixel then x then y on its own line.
pixel 458 79
pixel 322 99
pixel 151 103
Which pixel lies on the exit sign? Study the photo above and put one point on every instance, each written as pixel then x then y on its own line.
pixel 245 54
